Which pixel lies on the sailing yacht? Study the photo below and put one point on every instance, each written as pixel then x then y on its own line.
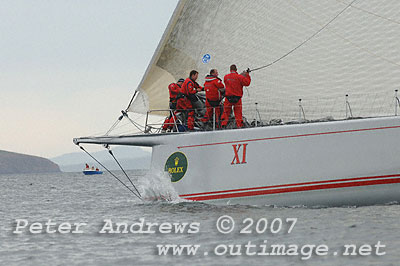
pixel 322 107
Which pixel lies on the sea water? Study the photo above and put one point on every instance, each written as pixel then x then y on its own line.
pixel 100 203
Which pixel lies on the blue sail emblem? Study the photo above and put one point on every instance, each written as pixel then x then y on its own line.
pixel 206 58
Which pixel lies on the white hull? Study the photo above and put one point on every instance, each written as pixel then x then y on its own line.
pixel 353 162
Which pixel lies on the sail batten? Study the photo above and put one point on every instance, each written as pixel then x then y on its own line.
pixel 357 54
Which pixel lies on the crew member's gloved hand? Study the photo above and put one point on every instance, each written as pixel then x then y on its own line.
pixel 248 70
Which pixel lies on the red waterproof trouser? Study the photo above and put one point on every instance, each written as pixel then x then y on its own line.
pixel 169 122
pixel 210 115
pixel 237 108
pixel 185 104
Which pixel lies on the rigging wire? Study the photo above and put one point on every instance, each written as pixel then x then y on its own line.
pixel 348 40
pixel 130 180
pixel 114 125
pixel 129 123
pixel 123 126
pixel 124 114
pixel 372 13
pixel 134 123
pixel 109 172
pixel 130 102
pixel 305 41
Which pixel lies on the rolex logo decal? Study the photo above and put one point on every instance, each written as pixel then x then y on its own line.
pixel 176 166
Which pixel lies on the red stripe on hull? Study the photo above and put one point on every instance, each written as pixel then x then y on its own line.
pixel 289 185
pixel 295 189
pixel 286 137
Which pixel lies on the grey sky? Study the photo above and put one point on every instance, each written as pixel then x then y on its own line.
pixel 67 68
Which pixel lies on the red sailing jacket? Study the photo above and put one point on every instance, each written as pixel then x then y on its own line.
pixel 173 91
pixel 189 87
pixel 234 83
pixel 212 86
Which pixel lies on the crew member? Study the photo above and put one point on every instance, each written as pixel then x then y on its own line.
pixel 234 91
pixel 173 95
pixel 214 93
pixel 188 90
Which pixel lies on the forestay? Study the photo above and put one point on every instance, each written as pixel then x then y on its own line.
pixel 357 54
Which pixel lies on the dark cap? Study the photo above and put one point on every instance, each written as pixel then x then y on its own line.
pixel 181 80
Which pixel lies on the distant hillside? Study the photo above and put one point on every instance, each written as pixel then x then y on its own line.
pixel 131 158
pixel 17 163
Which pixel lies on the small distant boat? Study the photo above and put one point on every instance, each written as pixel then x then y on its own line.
pixel 91 171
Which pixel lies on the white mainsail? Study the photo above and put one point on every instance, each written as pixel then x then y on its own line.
pixel 357 54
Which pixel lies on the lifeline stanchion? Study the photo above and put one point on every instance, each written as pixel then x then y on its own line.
pixel 213 118
pixel 110 172
pixel 301 111
pixel 348 108
pixel 257 114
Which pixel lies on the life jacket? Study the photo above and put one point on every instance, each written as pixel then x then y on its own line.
pixel 173 92
pixel 189 89
pixel 234 83
pixel 212 85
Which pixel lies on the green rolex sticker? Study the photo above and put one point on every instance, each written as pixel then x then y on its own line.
pixel 176 166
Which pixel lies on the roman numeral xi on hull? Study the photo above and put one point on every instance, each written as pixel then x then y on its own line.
pixel 236 150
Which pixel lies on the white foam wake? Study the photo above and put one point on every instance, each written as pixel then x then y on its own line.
pixel 156 186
